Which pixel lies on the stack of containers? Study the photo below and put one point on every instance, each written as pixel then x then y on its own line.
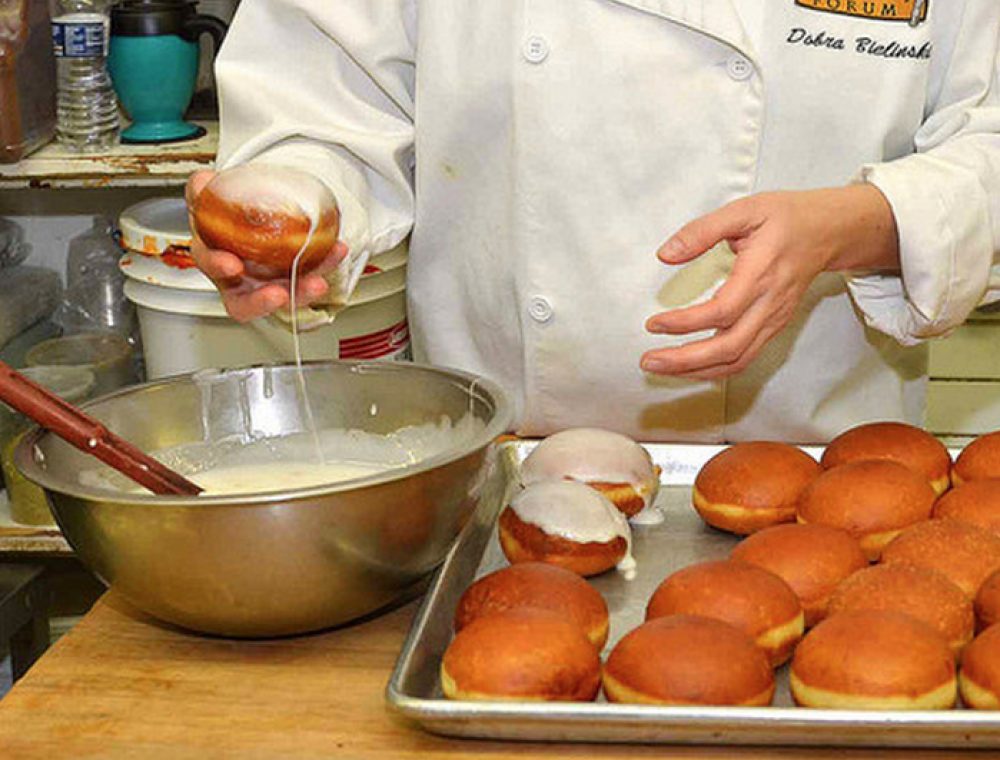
pixel 185 327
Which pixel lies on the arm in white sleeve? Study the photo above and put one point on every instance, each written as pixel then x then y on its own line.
pixel 946 195
pixel 327 87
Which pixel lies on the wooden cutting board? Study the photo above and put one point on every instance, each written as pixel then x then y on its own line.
pixel 121 685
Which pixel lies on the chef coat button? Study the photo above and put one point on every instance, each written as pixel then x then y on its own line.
pixel 739 68
pixel 536 49
pixel 540 309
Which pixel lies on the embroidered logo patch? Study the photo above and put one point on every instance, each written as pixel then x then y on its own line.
pixel 913 12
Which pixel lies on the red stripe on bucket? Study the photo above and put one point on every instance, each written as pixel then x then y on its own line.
pixel 391 340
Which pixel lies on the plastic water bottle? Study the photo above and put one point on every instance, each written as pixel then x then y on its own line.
pixel 86 107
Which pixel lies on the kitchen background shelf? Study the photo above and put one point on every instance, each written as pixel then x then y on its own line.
pixel 166 165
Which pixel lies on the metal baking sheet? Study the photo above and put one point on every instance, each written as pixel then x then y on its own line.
pixel 415 690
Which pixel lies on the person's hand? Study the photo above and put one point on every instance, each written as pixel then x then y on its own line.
pixel 248 295
pixel 782 241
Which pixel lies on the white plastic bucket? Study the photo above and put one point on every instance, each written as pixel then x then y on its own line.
pixel 185 331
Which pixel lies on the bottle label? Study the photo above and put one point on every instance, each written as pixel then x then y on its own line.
pixel 80 35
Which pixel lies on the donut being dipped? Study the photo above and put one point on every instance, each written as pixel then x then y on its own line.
pixel 873 500
pixel 753 485
pixel 521 654
pixel 979 460
pixel 541 586
pixel 895 441
pixel 268 215
pixel 609 462
pixel 873 660
pixel 811 559
pixel 567 524
pixel 750 598
pixel 688 660
pixel 917 591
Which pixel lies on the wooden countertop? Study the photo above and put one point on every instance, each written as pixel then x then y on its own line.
pixel 121 685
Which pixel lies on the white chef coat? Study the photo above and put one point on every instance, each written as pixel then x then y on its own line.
pixel 541 150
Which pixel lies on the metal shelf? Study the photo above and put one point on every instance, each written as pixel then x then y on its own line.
pixel 124 166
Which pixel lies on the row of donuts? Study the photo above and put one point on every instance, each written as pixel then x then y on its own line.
pixel 888 635
pixel 705 649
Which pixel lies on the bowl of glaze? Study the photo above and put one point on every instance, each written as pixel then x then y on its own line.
pixel 293 559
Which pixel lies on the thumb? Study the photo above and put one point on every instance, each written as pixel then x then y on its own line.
pixel 732 221
pixel 196 183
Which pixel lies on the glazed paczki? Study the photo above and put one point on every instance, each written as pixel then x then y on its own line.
pixel 874 660
pixel 541 586
pixel 895 441
pixel 873 500
pixel 268 215
pixel 754 600
pixel 521 654
pixel 811 559
pixel 568 524
pixel 918 591
pixel 612 463
pixel 752 485
pixel 688 660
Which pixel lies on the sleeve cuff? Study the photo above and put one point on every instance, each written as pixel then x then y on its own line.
pixel 945 245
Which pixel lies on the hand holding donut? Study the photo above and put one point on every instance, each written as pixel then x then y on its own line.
pixel 250 222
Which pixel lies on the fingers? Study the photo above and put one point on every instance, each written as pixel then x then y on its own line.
pixel 246 303
pixel 333 260
pixel 310 288
pixel 720 311
pixel 195 184
pixel 222 267
pixel 734 220
pixel 727 347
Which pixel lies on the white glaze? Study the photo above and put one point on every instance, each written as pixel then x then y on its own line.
pixel 575 512
pixel 592 455
pixel 280 476
pixel 293 286
pixel 274 189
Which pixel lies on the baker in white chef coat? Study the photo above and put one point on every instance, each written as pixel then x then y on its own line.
pixel 542 152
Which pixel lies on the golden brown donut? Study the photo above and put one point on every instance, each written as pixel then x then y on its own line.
pixel 754 600
pixel 967 555
pixel 536 584
pixel 918 591
pixel 688 660
pixel 612 463
pixel 987 603
pixel 979 676
pixel 896 441
pixel 979 460
pixel 752 485
pixel 811 559
pixel 565 523
pixel 266 215
pixel 873 660
pixel 873 500
pixel 976 502
pixel 521 654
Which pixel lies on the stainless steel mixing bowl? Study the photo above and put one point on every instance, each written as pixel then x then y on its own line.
pixel 278 563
